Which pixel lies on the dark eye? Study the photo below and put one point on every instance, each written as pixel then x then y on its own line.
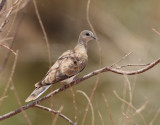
pixel 87 34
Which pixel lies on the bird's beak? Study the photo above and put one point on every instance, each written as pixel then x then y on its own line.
pixel 94 37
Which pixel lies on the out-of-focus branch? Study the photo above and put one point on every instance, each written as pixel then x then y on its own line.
pixel 56 112
pixel 16 3
pixel 77 81
pixel 2 4
pixel 44 31
pixel 8 48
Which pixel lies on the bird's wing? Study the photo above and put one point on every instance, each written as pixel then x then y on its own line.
pixel 68 64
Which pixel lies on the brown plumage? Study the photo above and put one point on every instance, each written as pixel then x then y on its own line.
pixel 68 65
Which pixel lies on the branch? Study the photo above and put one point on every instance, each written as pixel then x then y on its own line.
pixel 44 32
pixel 2 4
pixel 8 49
pixel 16 3
pixel 56 112
pixel 77 81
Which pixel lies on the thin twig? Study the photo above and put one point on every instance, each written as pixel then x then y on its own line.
pixel 56 112
pixel 20 104
pixel 131 65
pixel 5 20
pixel 155 117
pixel 77 81
pixel 129 120
pixel 8 48
pixel 101 117
pixel 129 88
pixel 6 39
pixel 3 97
pixel 125 56
pixel 56 116
pixel 44 32
pixel 75 104
pixel 11 43
pixel 10 78
pixel 52 105
pixel 16 3
pixel 2 4
pixel 90 104
pixel 109 109
pixel 123 104
pixel 158 33
pixel 23 5
pixel 124 101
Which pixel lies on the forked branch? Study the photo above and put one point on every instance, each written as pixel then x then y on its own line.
pixel 77 81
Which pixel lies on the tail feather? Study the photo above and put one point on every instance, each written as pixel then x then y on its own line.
pixel 37 92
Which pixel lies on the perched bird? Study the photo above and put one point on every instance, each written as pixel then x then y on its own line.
pixel 68 65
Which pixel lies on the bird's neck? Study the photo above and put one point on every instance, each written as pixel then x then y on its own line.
pixel 81 46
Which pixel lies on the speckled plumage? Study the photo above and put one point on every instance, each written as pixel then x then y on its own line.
pixel 68 65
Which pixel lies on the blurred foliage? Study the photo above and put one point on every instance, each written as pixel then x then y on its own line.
pixel 122 26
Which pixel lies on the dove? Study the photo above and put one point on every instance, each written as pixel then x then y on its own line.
pixel 67 66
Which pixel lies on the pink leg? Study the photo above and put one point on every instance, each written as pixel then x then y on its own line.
pixel 63 84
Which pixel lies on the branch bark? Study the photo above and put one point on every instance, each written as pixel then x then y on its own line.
pixel 56 112
pixel 77 81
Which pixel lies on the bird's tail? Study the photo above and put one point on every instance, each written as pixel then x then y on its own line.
pixel 37 92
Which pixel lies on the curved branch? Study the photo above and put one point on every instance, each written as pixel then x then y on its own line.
pixel 77 81
pixel 56 112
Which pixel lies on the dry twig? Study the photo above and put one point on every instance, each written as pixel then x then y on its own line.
pixel 96 72
pixel 10 79
pixel 158 33
pixel 56 112
pixel 124 101
pixel 90 104
pixel 44 32
pixel 8 49
pixel 2 4
pixel 101 117
pixel 109 109
pixel 155 117
pixel 74 105
pixel 129 120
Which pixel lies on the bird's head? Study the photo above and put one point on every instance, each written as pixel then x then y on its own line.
pixel 87 35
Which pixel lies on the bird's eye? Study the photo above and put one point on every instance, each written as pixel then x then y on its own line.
pixel 87 34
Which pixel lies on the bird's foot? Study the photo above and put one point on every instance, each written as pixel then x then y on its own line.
pixel 63 85
pixel 75 79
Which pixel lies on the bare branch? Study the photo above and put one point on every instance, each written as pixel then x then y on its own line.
pixel 74 105
pixel 155 117
pixel 11 43
pixel 20 104
pixel 109 109
pixel 154 30
pixel 101 117
pixel 55 112
pixel 90 104
pixel 8 49
pixel 139 113
pixel 16 3
pixel 77 81
pixel 121 59
pixel 43 30
pixel 129 120
pixel 2 4
pixel 10 78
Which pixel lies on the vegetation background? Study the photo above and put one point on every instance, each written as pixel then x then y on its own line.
pixel 122 26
